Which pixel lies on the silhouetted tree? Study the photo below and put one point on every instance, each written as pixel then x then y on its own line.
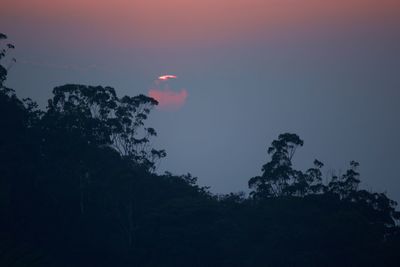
pixel 347 184
pixel 97 114
pixel 78 188
pixel 314 179
pixel 3 53
pixel 278 177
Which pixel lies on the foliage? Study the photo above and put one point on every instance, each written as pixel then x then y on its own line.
pixel 278 177
pixel 78 188
pixel 3 53
pixel 98 115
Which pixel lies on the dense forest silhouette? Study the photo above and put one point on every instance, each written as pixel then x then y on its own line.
pixel 78 187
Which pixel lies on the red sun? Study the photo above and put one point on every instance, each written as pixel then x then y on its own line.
pixel 167 98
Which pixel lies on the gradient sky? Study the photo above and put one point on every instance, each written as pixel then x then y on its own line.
pixel 250 70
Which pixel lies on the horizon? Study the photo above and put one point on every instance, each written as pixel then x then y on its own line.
pixel 247 71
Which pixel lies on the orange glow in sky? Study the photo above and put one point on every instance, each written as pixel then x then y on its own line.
pixel 168 98
pixel 181 21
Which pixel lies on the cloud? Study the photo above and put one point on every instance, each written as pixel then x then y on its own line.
pixel 167 77
pixel 168 98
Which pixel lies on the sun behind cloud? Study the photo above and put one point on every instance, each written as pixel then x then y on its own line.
pixel 169 99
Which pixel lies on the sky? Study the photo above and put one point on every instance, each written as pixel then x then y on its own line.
pixel 246 71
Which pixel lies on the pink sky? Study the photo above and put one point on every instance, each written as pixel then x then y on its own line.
pixel 169 99
pixel 182 21
pixel 266 65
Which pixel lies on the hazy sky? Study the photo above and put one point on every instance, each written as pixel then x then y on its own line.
pixel 247 71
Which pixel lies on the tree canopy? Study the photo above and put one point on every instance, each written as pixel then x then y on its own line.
pixel 79 187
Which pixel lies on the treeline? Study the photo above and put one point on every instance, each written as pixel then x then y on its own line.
pixel 78 188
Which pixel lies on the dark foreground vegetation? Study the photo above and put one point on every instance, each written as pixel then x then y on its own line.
pixel 78 188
